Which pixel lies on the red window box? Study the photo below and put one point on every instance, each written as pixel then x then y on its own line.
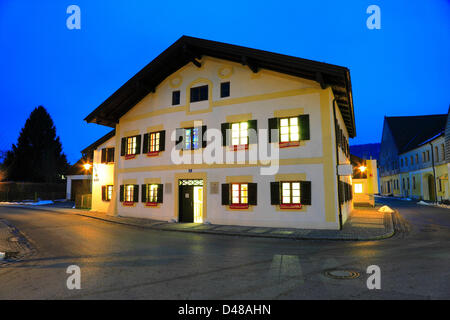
pixel 128 203
pixel 153 154
pixel 238 206
pixel 151 204
pixel 130 156
pixel 239 147
pixel 290 206
pixel 289 144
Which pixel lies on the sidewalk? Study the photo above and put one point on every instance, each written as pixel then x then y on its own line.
pixel 364 224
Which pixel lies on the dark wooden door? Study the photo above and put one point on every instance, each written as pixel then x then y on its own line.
pixel 186 205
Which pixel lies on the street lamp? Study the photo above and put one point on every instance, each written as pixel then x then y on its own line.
pixel 362 169
pixel 87 166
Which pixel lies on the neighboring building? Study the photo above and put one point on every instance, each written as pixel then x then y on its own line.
pixel 413 161
pixel 196 86
pixel 365 180
pixel 366 151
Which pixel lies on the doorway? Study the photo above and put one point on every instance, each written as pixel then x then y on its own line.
pixel 190 195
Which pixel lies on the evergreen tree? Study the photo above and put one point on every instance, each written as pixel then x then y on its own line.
pixel 37 156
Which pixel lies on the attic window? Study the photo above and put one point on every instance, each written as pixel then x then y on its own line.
pixel 175 98
pixel 199 93
pixel 225 89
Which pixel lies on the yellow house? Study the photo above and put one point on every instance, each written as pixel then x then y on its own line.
pixel 210 132
pixel 365 180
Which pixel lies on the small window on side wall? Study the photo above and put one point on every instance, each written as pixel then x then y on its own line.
pixel 175 98
pixel 107 192
pixel 225 89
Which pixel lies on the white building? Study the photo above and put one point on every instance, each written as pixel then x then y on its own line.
pixel 197 86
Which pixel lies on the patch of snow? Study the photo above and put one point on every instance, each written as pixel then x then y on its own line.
pixel 30 203
pixel 424 203
pixel 385 209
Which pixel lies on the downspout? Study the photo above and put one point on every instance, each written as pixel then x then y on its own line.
pixel 337 164
pixel 434 173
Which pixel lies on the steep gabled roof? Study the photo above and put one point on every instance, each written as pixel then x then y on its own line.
pixel 188 49
pixel 100 141
pixel 410 132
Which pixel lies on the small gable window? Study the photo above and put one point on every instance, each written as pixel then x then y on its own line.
pixel 175 98
pixel 199 93
pixel 225 89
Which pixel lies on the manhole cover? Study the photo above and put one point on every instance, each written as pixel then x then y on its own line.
pixel 14 239
pixel 342 274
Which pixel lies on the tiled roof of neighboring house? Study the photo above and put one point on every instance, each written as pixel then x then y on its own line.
pixel 100 141
pixel 77 169
pixel 188 49
pixel 410 132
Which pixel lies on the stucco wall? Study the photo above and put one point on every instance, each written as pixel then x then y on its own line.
pixel 258 96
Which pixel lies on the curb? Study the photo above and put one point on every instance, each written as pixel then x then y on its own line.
pixel 160 227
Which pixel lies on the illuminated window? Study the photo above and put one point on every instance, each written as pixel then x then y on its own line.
pixel 239 133
pixel 109 191
pixel 289 129
pixel 129 192
pixel 152 193
pixel 131 145
pixel 154 141
pixel 239 193
pixel 290 192
pixel 192 138
pixel 358 188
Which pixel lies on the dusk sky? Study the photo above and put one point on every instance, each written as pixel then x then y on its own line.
pixel 401 69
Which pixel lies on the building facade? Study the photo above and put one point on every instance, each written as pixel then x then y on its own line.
pixel 215 133
pixel 365 180
pixel 413 161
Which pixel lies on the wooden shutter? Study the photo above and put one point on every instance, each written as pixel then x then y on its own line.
pixel 203 136
pixel 110 155
pixel 225 194
pixel 123 146
pixel 136 193
pixel 274 193
pixel 252 194
pixel 160 193
pixel 303 120
pixel 226 134
pixel 144 193
pixel 103 158
pixel 305 192
pixel 253 132
pixel 273 125
pixel 179 142
pixel 145 144
pixel 122 192
pixel 162 140
pixel 104 193
pixel 138 144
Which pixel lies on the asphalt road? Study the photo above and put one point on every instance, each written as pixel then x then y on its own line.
pixel 122 262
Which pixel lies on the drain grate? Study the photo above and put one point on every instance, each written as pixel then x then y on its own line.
pixel 342 274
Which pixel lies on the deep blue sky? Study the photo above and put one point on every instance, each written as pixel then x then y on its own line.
pixel 402 69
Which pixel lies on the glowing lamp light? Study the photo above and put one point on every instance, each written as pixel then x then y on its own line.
pixel 87 166
pixel 362 168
